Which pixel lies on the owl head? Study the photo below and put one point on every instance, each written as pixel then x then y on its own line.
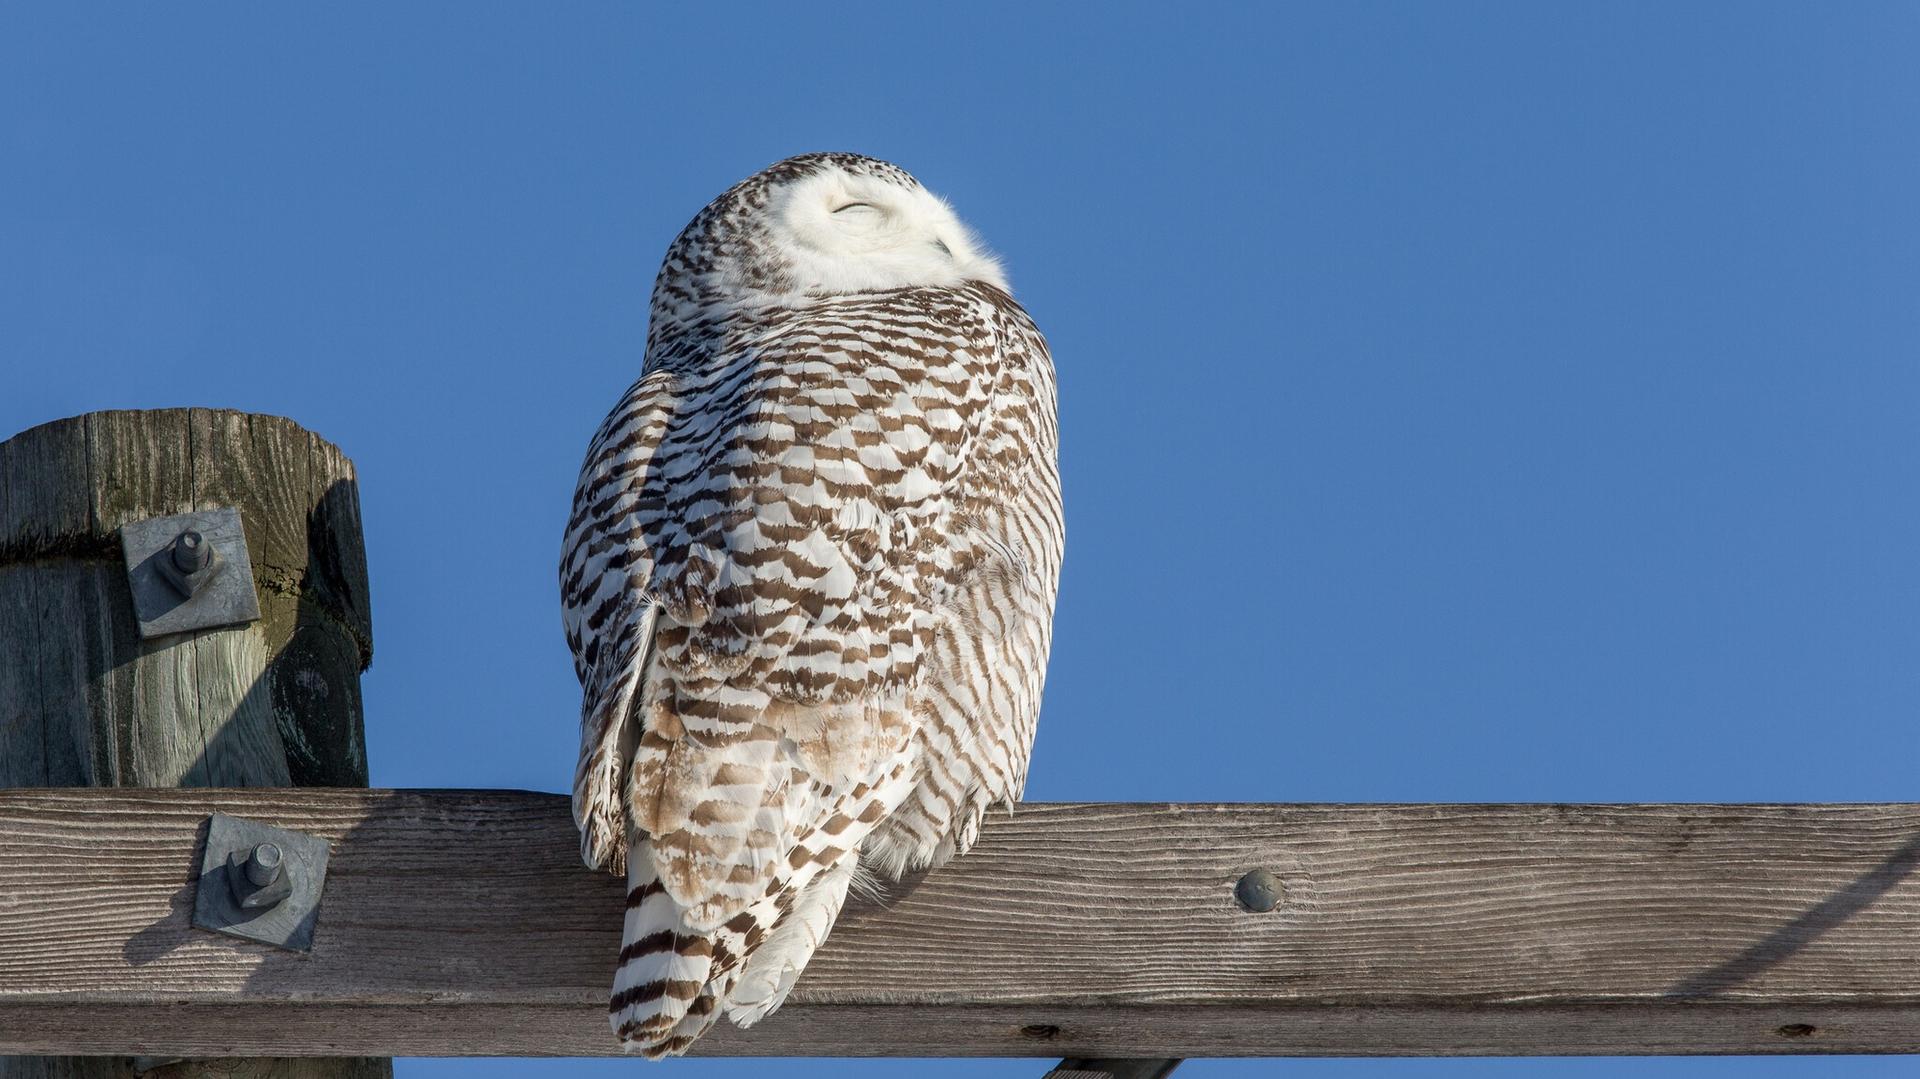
pixel 817 225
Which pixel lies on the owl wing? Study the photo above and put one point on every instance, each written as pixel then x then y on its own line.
pixel 977 701
pixel 772 532
pixel 604 572
pixel 765 536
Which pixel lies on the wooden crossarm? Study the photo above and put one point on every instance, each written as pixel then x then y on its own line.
pixel 460 922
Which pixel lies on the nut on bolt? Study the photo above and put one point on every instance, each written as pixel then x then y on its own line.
pixel 190 552
pixel 189 562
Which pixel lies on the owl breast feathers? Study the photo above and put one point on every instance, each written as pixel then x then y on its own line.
pixel 808 581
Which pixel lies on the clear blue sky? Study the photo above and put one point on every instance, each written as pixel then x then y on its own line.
pixel 1461 401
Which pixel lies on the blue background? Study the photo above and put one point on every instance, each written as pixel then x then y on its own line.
pixel 1461 402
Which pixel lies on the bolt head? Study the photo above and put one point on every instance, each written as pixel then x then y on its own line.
pixel 1259 891
pixel 258 877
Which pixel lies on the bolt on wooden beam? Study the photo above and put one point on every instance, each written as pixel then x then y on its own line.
pixel 139 552
pixel 460 922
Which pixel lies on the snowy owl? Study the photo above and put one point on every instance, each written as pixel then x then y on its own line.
pixel 808 580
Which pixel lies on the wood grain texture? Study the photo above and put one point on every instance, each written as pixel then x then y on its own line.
pixel 84 701
pixel 462 923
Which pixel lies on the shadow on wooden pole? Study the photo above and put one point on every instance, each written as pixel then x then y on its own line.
pixel 84 701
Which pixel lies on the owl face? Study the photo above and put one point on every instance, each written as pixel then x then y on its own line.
pixel 812 226
pixel 841 230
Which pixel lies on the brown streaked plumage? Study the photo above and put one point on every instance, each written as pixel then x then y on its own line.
pixel 808 580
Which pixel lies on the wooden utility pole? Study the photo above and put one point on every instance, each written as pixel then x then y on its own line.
pixel 86 702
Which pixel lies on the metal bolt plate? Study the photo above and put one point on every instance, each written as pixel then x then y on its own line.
pixel 168 595
pixel 225 884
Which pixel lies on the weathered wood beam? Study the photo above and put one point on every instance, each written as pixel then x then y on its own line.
pixel 461 923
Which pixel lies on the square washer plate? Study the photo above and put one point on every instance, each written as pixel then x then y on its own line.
pixel 287 924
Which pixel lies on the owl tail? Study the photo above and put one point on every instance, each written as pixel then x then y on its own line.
pixel 663 967
pixel 669 988
pixel 770 971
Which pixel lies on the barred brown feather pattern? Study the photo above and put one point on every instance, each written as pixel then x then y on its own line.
pixel 808 583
